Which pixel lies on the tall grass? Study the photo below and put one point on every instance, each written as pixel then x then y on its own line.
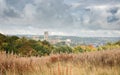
pixel 91 63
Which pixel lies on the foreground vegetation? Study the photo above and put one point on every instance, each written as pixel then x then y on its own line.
pixel 89 63
pixel 28 47
pixel 21 56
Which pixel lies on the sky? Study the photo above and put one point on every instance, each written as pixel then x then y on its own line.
pixel 90 18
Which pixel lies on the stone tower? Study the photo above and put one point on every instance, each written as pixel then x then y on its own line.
pixel 46 35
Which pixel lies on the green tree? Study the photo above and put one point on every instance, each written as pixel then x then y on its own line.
pixel 2 38
pixel 78 49
pixel 11 46
pixel 27 50
pixel 46 43
pixel 118 43
pixel 63 49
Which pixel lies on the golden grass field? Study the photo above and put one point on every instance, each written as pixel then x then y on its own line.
pixel 91 63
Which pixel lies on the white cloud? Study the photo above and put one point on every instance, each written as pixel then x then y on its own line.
pixel 60 17
pixel 75 5
pixel 118 14
pixel 29 11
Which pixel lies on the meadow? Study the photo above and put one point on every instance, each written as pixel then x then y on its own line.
pixel 106 62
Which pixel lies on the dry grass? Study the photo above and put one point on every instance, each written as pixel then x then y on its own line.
pixel 92 63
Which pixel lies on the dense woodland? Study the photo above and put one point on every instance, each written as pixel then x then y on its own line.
pixel 28 47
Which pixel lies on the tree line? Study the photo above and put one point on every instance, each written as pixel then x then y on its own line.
pixel 28 47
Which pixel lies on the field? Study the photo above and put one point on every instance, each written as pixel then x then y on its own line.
pixel 89 63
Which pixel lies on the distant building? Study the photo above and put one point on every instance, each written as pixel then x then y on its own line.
pixel 46 35
pixel 68 42
pixel 62 42
pixel 35 38
pixel 54 41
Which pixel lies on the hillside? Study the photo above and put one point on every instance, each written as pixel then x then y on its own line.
pixel 89 63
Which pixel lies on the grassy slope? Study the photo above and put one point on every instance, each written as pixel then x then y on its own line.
pixel 92 63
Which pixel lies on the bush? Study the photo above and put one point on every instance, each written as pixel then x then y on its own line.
pixel 63 49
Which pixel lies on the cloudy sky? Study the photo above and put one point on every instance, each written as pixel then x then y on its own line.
pixel 61 17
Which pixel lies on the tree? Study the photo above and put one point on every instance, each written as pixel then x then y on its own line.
pixel 63 49
pixel 2 38
pixel 11 46
pixel 78 49
pixel 46 43
pixel 26 50
pixel 118 43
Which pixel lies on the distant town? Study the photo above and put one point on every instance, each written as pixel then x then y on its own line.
pixel 71 40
